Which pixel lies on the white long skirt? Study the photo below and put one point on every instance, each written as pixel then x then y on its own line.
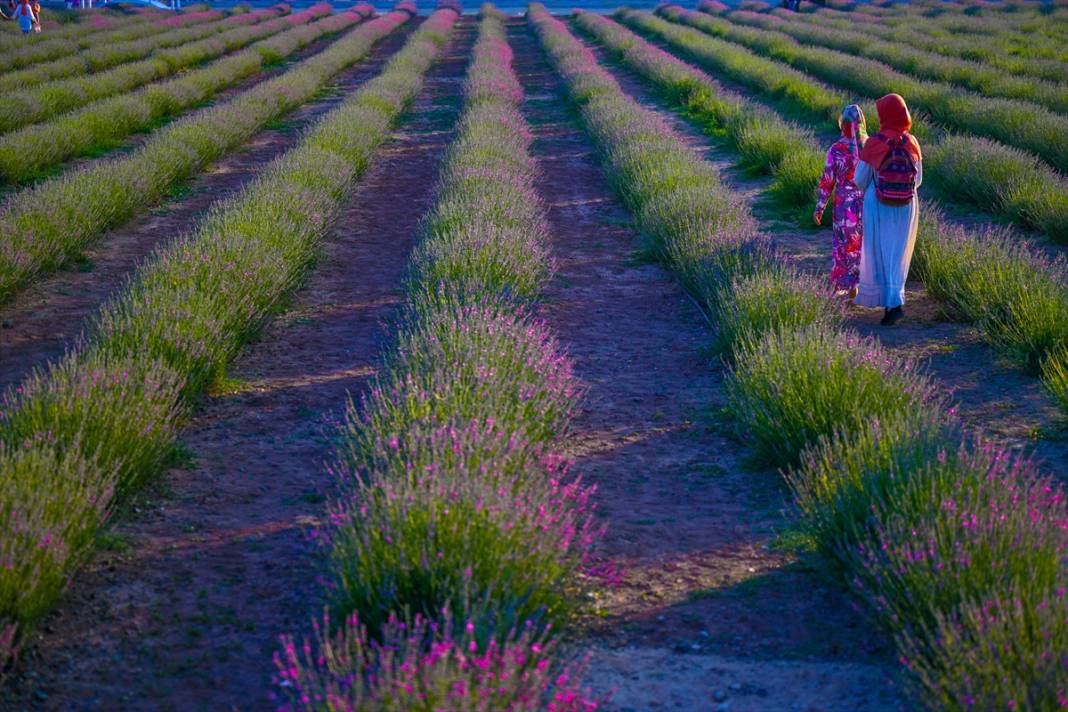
pixel 886 249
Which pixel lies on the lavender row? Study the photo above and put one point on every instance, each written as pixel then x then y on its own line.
pixel 988 81
pixel 456 548
pixel 105 24
pixel 83 433
pixel 45 224
pixel 1016 123
pixel 96 59
pixel 33 151
pixel 955 547
pixel 1034 35
pixel 85 25
pixel 38 103
pixel 953 47
pixel 48 49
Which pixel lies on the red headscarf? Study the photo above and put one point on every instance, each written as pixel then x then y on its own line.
pixel 894 122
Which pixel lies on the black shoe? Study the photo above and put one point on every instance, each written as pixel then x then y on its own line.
pixel 892 316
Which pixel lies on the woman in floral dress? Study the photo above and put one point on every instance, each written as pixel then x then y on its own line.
pixel 847 224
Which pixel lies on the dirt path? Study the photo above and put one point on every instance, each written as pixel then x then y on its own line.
pixel 184 613
pixel 706 612
pixel 993 396
pixel 42 321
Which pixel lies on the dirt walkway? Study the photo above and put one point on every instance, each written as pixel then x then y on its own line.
pixel 706 611
pixel 185 613
pixel 42 321
pixel 993 396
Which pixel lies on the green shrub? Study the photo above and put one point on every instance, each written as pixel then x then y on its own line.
pixel 790 387
pixel 772 300
pixel 1055 374
pixel 844 475
pixel 461 362
pixel 1016 295
pixel 472 524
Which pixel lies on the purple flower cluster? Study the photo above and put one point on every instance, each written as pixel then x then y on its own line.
pixel 481 523
pixel 423 666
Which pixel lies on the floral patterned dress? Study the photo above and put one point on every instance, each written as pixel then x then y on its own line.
pixel 847 225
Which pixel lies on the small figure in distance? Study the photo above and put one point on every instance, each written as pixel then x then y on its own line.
pixel 25 16
pixel 890 173
pixel 36 5
pixel 846 227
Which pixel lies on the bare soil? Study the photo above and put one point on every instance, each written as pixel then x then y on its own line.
pixel 184 612
pixel 703 608
pixel 42 321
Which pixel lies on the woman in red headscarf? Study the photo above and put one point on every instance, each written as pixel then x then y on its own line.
pixel 889 173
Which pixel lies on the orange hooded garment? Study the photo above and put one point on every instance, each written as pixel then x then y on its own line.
pixel 894 122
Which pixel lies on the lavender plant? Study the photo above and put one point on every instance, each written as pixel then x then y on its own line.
pixel 981 523
pixel 1015 294
pixel 458 362
pixel 772 300
pixel 790 387
pixel 493 532
pixel 841 476
pixel 972 585
pixel 421 667
pixel 1055 374
pixel 1012 182
pixel 44 101
pixel 1005 652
